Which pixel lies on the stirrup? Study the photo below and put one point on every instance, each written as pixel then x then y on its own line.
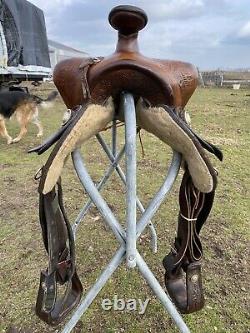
pixel 186 295
pixel 48 308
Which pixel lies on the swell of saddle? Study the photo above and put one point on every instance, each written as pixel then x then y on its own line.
pixel 159 81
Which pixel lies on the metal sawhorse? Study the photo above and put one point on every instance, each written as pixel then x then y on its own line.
pixel 134 229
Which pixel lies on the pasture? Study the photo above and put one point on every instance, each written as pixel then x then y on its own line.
pixel 222 116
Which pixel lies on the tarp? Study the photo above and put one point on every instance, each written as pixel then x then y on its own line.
pixel 3 49
pixel 25 33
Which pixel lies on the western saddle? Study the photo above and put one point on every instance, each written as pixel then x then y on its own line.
pixel 91 87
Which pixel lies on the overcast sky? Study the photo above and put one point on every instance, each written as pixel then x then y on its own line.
pixel 207 33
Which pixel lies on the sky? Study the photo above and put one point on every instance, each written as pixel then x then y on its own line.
pixel 210 34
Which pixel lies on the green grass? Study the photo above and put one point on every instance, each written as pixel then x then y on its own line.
pixel 217 115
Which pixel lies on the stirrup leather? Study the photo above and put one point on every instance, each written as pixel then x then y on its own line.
pixel 183 264
pixel 59 243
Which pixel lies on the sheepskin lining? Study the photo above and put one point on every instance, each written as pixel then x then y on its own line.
pixel 158 122
pixel 93 120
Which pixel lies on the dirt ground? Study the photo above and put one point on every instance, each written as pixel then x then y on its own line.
pixel 222 116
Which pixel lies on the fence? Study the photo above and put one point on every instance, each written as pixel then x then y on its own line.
pixel 224 79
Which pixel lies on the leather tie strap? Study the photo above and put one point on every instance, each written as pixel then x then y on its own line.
pixel 84 68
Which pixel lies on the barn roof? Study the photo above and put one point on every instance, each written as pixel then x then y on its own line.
pixel 60 46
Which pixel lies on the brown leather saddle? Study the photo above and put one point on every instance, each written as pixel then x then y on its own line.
pixel 91 88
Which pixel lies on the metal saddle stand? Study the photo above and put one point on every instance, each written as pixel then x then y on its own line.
pixel 128 238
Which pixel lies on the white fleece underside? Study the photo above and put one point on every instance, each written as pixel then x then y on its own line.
pixel 93 120
pixel 154 120
pixel 158 122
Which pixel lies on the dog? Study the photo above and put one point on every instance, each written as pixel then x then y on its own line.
pixel 24 107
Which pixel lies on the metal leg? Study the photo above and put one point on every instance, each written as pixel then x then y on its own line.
pixel 97 199
pixel 125 237
pixel 93 292
pixel 103 181
pixel 130 137
pixel 114 166
pixel 114 137
pixel 161 194
pixel 123 178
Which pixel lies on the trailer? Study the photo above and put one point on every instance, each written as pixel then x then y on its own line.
pixel 24 53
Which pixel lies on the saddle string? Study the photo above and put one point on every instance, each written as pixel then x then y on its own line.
pixel 118 124
pixel 188 234
pixel 191 218
pixel 194 234
pixel 141 143
pixel 188 219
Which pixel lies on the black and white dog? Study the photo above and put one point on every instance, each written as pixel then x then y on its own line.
pixel 24 107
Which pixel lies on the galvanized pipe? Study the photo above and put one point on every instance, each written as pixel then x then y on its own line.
pixel 130 138
pixel 123 178
pixel 100 185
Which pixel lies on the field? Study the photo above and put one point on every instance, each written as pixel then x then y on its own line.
pixel 222 116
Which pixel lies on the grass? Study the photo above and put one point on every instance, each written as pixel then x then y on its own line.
pixel 218 115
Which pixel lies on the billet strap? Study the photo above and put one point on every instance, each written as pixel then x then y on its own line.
pixel 185 257
pixel 59 243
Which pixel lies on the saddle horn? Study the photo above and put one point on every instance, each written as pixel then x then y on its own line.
pixel 128 20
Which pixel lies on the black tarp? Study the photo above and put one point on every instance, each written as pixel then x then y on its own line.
pixel 25 33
